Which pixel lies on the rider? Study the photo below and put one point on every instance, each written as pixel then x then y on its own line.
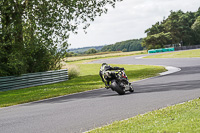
pixel 106 73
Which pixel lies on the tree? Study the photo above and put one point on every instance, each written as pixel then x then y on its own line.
pixel 128 45
pixel 155 29
pixel 34 33
pixel 175 29
pixel 172 25
pixel 157 40
pixel 196 28
pixel 91 51
pixel 196 25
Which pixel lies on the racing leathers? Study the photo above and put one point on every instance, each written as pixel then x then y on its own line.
pixel 106 73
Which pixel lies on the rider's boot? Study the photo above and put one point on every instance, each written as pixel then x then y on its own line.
pixel 107 86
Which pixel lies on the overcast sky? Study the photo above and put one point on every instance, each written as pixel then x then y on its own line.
pixel 128 20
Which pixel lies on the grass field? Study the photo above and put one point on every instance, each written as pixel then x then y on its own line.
pixel 181 118
pixel 179 54
pixel 88 80
pixel 104 55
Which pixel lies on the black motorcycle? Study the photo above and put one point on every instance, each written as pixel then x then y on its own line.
pixel 119 82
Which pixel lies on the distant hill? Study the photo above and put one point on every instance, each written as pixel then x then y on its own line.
pixel 82 50
pixel 125 46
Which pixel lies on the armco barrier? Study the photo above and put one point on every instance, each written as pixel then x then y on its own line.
pixel 187 47
pixel 32 79
pixel 174 49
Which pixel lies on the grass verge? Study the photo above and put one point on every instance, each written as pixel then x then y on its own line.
pixel 181 118
pixel 179 54
pixel 104 56
pixel 88 80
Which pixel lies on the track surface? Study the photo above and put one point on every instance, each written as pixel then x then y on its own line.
pixel 84 111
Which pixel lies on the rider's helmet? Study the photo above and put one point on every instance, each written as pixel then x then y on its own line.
pixel 103 67
pixel 104 64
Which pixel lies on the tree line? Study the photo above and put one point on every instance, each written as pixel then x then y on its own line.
pixel 124 46
pixel 34 33
pixel 178 28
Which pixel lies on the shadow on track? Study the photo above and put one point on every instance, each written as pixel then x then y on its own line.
pixel 102 93
pixel 83 96
pixel 172 86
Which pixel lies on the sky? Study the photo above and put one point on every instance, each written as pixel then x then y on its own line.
pixel 128 20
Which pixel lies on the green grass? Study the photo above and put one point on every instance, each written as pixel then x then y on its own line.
pixel 181 118
pixel 103 56
pixel 179 54
pixel 88 80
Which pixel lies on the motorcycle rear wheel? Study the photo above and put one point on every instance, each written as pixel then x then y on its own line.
pixel 131 89
pixel 117 88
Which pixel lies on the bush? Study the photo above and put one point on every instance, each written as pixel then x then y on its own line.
pixel 73 71
pixel 91 51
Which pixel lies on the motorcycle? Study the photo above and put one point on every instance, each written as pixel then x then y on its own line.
pixel 120 83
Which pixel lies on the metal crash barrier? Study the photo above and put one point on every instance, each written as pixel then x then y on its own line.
pixel 32 79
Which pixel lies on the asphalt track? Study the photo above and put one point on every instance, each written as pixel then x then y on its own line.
pixel 84 111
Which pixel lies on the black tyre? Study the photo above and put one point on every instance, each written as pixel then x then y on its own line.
pixel 117 88
pixel 131 89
